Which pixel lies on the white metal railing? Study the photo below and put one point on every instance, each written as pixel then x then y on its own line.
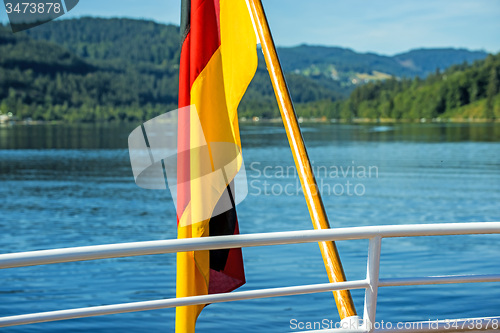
pixel 371 283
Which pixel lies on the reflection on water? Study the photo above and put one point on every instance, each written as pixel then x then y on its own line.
pixel 481 132
pixel 98 136
pixel 64 186
pixel 59 136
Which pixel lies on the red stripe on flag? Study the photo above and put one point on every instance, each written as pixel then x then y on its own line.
pixel 183 143
pixel 205 36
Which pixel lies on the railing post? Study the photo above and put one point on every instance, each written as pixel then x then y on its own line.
pixel 372 277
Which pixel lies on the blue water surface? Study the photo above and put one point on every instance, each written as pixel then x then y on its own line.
pixel 65 186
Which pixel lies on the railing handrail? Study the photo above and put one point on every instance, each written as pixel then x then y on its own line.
pixel 43 257
pixel 372 282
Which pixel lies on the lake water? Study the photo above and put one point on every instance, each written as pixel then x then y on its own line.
pixel 65 186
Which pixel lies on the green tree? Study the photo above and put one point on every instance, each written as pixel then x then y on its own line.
pixel 492 90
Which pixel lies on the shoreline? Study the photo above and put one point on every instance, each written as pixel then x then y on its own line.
pixel 301 120
pixel 372 121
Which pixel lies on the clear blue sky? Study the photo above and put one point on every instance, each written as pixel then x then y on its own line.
pixel 381 26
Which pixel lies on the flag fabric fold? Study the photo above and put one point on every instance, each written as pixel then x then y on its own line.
pixel 218 61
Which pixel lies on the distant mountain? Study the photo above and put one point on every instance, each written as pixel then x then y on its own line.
pixel 147 44
pixel 337 62
pixel 352 68
pixel 425 61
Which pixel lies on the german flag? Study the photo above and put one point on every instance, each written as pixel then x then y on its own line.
pixel 218 61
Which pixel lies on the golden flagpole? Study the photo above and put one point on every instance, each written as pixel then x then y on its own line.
pixel 319 219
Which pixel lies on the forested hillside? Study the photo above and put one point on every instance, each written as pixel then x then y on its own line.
pixel 114 69
pixel 45 81
pixel 93 69
pixel 460 92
